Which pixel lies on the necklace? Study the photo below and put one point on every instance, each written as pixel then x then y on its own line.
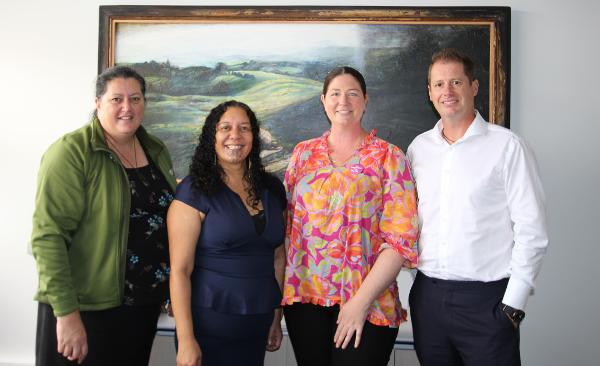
pixel 243 193
pixel 121 155
pixel 447 138
pixel 341 162
pixel 345 158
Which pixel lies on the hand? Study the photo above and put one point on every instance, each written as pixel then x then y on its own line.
pixel 167 308
pixel 275 337
pixel 351 321
pixel 189 354
pixel 71 337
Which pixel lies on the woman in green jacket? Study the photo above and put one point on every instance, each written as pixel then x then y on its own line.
pixel 99 234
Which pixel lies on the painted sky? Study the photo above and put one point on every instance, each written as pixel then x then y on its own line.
pixel 206 44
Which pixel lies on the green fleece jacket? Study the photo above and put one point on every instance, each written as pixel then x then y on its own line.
pixel 81 219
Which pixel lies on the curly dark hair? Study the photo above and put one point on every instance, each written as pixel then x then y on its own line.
pixel 207 175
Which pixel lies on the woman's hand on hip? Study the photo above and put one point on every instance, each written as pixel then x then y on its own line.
pixel 189 353
pixel 71 338
pixel 351 321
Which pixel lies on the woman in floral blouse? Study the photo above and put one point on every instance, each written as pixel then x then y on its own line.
pixel 351 226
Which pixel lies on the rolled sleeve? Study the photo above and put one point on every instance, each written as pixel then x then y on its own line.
pixel 399 221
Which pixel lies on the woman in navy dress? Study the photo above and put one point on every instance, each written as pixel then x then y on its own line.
pixel 226 230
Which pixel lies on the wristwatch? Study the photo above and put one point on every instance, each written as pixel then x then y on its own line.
pixel 515 315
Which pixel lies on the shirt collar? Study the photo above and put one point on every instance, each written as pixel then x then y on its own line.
pixel 478 127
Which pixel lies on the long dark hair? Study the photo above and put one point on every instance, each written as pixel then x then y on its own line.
pixel 205 172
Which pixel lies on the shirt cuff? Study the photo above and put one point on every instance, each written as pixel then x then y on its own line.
pixel 517 293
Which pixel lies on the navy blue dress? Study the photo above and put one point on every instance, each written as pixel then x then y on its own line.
pixel 234 290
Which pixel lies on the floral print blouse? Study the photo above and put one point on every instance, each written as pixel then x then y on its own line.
pixel 341 218
pixel 147 267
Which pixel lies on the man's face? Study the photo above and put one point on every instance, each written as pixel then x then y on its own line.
pixel 451 91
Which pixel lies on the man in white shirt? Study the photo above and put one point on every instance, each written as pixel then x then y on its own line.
pixel 483 227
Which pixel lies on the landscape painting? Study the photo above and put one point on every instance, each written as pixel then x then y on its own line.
pixel 277 68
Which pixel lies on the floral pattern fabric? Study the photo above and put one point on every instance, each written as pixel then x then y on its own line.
pixel 147 268
pixel 341 218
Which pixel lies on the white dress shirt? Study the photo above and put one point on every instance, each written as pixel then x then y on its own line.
pixel 481 208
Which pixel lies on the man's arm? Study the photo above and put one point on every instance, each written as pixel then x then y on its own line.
pixel 526 203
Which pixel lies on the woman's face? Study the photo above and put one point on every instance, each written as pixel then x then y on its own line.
pixel 121 108
pixel 233 139
pixel 344 101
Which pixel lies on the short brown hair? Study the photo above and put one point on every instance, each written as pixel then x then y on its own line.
pixel 453 55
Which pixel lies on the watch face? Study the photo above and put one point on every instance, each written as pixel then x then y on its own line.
pixel 515 315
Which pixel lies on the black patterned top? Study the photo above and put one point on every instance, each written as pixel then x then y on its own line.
pixel 147 269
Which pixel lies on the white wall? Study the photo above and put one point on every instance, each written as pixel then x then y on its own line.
pixel 48 64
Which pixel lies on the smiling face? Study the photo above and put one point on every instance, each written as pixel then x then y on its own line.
pixel 452 93
pixel 233 138
pixel 120 109
pixel 344 101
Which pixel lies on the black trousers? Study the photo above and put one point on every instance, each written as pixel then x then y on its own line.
pixel 461 323
pixel 117 336
pixel 311 329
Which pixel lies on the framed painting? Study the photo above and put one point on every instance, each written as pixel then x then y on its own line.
pixel 275 59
